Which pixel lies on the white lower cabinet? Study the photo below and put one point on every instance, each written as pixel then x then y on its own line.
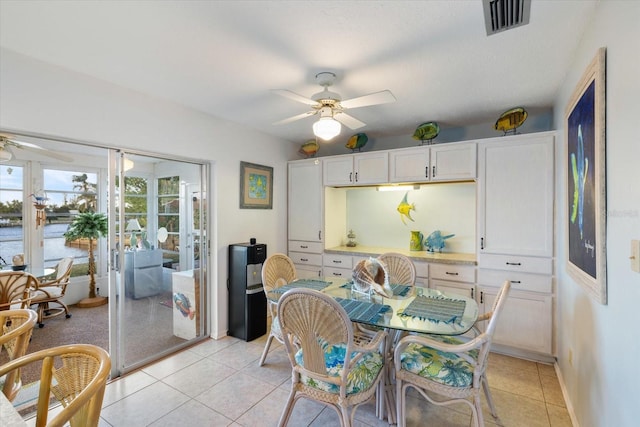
pixel 422 273
pixel 453 279
pixel 307 258
pixel 525 322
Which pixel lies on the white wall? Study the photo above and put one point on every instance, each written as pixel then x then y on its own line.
pixel 41 98
pixel 602 379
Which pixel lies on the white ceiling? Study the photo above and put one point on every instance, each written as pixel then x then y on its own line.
pixel 224 57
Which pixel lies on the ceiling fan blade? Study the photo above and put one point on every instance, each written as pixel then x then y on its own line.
pixel 349 121
pixel 294 118
pixel 42 151
pixel 382 97
pixel 295 96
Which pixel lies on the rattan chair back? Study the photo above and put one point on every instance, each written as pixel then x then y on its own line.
pixel 15 332
pixel 76 375
pixel 401 269
pixel 15 289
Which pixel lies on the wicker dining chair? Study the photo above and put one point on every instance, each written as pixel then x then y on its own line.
pixel 277 271
pixel 328 365
pixel 401 269
pixel 450 367
pixel 15 289
pixel 15 332
pixel 52 292
pixel 76 375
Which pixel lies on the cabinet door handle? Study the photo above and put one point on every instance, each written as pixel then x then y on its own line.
pixel 482 243
pixel 515 281
pixel 304 246
pixel 433 172
pixel 337 261
pixel 513 263
pixel 356 176
pixel 481 297
pixel 426 171
pixel 350 176
pixel 450 274
pixel 304 259
pixel 320 235
pixel 472 293
pixel 337 274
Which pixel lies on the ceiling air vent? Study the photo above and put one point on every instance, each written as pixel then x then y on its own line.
pixel 501 15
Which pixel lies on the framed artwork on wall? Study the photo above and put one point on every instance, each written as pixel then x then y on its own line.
pixel 256 186
pixel 586 181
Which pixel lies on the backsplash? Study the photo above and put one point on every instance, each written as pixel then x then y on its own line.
pixel 450 208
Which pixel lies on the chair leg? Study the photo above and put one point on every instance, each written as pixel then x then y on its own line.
pixel 487 392
pixel 266 350
pixel 400 403
pixel 477 410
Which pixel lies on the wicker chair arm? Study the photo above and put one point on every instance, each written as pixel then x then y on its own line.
pixel 371 343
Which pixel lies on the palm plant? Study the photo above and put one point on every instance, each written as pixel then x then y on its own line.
pixel 91 226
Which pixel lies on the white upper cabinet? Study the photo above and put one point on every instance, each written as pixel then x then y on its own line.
pixel 357 169
pixel 305 200
pixel 515 196
pixel 446 162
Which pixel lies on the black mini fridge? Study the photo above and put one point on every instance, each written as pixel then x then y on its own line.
pixel 247 301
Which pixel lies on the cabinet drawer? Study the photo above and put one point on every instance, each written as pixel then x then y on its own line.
pixel 306 259
pixel 422 269
pixel 458 273
pixel 303 246
pixel 338 261
pixel 519 281
pixel 525 264
pixel 336 272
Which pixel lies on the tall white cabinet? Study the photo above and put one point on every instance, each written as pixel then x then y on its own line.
pixel 515 237
pixel 306 216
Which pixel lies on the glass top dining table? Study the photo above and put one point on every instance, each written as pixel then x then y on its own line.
pixel 411 308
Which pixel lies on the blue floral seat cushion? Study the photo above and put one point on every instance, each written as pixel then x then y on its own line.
pixel 275 327
pixel 360 378
pixel 439 366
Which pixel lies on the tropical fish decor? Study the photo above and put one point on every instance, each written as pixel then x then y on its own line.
pixel 404 208
pixel 357 141
pixel 579 170
pixel 183 305
pixel 309 148
pixel 435 241
pixel 510 120
pixel 426 132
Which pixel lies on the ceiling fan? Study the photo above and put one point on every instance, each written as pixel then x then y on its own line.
pixel 331 108
pixel 8 144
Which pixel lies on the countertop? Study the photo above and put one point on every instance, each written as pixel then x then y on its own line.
pixel 443 258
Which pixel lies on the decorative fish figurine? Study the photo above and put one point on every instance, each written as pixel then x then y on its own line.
pixel 405 209
pixel 511 120
pixel 426 131
pixel 309 148
pixel 436 240
pixel 357 141
pixel 579 169
pixel 183 305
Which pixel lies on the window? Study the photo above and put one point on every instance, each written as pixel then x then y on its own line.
pixel 68 193
pixel 169 215
pixel 11 196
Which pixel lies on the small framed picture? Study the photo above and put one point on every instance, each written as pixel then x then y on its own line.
pixel 256 186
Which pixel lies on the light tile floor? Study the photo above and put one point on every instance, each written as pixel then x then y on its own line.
pixel 219 383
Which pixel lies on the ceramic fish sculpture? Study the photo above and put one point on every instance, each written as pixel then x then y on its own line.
pixel 436 240
pixel 510 120
pixel 357 141
pixel 183 305
pixel 579 169
pixel 309 148
pixel 404 208
pixel 426 131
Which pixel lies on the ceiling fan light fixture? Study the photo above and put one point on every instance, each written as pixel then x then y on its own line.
pixel 5 155
pixel 326 128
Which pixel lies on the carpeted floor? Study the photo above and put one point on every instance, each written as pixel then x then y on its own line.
pixel 148 329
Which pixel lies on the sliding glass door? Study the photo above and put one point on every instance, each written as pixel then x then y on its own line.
pixel 158 257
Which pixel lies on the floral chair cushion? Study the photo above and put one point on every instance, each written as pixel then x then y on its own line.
pixel 275 327
pixel 360 378
pixel 439 366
